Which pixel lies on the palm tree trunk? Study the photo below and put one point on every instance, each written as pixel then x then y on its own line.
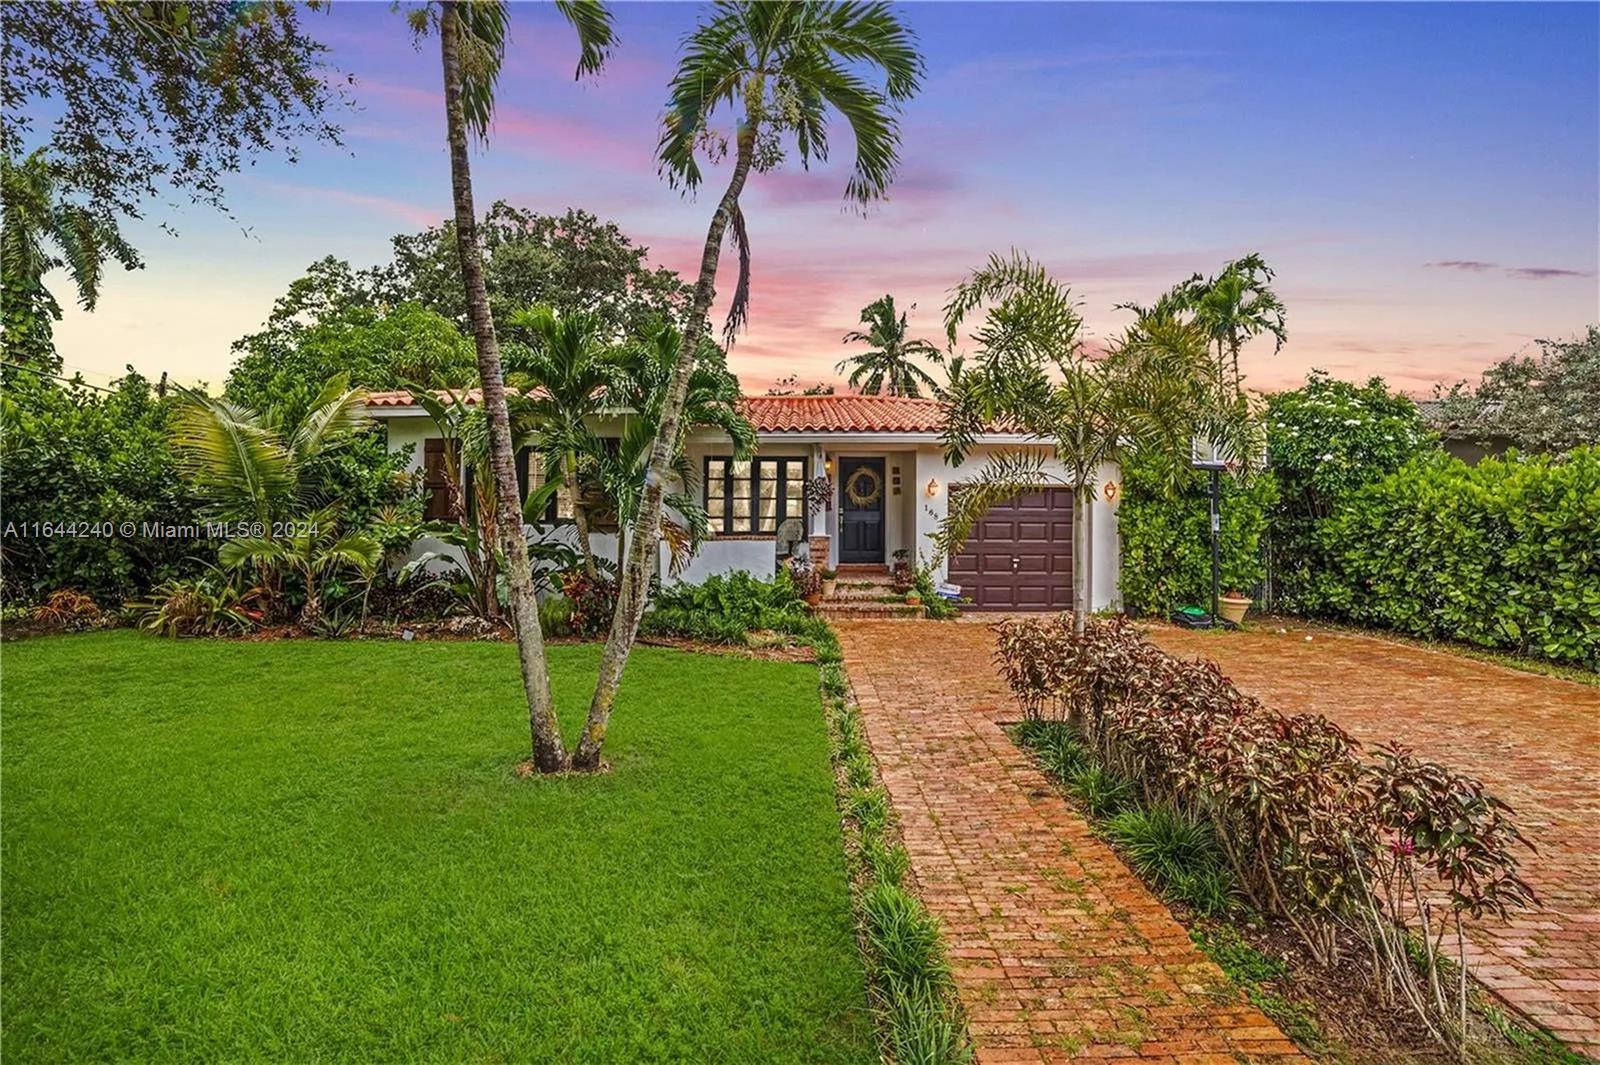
pixel 633 584
pixel 580 517
pixel 1080 554
pixel 548 753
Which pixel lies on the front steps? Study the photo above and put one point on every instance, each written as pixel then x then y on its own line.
pixel 865 594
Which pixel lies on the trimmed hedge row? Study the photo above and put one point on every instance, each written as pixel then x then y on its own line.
pixel 1503 554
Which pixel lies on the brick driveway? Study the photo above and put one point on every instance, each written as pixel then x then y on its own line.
pixel 1533 740
pixel 1058 950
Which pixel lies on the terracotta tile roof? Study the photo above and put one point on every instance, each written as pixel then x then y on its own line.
pixel 403 399
pixel 843 414
pixel 794 414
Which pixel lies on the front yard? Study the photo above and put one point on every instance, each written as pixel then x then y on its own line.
pixel 321 850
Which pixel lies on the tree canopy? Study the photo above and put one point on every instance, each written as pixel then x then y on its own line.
pixel 1548 401
pixel 129 99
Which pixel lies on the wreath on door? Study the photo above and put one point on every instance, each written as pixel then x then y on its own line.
pixel 863 487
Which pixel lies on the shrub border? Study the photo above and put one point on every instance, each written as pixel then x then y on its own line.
pixel 916 1010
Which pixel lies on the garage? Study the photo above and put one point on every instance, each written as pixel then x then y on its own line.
pixel 1019 556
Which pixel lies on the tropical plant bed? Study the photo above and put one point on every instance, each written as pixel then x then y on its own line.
pixel 1329 1011
pixel 205 838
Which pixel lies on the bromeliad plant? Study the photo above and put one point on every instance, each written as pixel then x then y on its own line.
pixel 1387 857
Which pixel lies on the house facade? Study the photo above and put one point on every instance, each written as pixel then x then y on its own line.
pixel 888 491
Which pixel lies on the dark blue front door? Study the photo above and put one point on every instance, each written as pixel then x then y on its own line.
pixel 861 510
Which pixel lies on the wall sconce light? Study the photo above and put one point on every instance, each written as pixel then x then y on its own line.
pixel 827 464
pixel 933 487
pixel 1111 490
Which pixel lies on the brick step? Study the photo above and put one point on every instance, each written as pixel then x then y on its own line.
pixel 856 595
pixel 836 610
pixel 862 570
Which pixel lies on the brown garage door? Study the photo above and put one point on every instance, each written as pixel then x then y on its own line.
pixel 1019 556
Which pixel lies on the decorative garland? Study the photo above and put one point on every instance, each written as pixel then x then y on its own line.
pixel 863 496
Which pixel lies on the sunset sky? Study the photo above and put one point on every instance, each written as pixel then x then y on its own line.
pixel 1424 179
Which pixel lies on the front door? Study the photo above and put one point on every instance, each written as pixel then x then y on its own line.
pixel 860 510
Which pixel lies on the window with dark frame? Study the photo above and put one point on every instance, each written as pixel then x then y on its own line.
pixel 753 496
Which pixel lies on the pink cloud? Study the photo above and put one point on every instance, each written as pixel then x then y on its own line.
pixel 414 214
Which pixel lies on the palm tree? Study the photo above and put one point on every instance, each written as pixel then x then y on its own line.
pixel 249 463
pixel 472 40
pixel 1031 370
pixel 476 522
pixel 711 402
pixel 1233 308
pixel 888 366
pixel 313 548
pixel 566 377
pixel 783 66
pixel 39 234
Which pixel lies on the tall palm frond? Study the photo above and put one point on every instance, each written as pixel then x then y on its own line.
pixel 334 418
pixel 225 451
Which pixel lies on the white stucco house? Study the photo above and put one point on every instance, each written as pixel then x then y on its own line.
pixel 890 490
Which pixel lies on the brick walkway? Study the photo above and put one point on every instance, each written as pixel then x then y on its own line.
pixel 1059 951
pixel 1533 740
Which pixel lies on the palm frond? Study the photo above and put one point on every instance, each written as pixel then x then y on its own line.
pixel 337 414
pixel 1002 477
pixel 592 21
pixel 739 309
pixel 223 450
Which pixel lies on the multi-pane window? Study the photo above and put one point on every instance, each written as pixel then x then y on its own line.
pixel 754 495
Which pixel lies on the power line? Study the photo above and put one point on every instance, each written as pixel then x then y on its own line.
pixel 57 377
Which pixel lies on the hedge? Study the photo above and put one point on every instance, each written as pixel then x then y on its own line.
pixel 1166 538
pixel 1504 554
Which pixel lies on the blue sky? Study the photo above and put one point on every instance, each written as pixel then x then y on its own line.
pixel 1424 178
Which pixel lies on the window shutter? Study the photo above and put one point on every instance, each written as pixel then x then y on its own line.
pixel 435 483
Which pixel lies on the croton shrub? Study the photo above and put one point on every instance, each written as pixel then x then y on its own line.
pixel 1382 855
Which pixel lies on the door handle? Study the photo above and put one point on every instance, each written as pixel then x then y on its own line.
pixel 1016 563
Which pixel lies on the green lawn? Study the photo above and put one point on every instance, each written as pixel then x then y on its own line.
pixel 315 851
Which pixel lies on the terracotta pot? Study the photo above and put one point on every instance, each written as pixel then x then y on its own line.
pixel 813 600
pixel 1234 607
pixel 828 588
pixel 913 600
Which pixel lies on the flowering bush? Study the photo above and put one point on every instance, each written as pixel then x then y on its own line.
pixel 1381 855
pixel 1327 440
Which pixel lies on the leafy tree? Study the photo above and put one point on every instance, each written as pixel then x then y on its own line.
pixel 74 454
pixel 889 366
pixel 1233 308
pixel 117 101
pixel 131 98
pixel 1328 439
pixel 573 263
pixel 782 67
pixel 379 348
pixel 1549 401
pixel 40 233
pixel 472 40
pixel 712 402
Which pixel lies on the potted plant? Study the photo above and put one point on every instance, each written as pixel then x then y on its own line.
pixel 900 576
pixel 808 582
pixel 830 581
pixel 1233 606
pixel 913 598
